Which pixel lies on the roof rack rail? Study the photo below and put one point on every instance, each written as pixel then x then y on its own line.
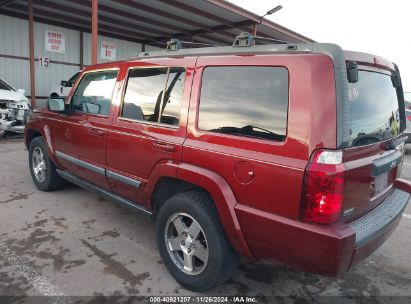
pixel 246 39
pixel 177 44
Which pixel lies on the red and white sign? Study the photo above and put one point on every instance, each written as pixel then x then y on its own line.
pixel 108 50
pixel 55 42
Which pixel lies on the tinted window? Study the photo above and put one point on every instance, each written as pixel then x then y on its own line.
pixel 144 98
pixel 5 86
pixel 245 101
pixel 94 92
pixel 173 97
pixel 374 111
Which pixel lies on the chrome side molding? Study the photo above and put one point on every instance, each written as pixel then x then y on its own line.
pixel 124 179
pixel 81 163
pixel 110 174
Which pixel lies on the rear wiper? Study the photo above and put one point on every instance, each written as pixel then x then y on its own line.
pixel 251 127
pixel 248 130
pixel 392 144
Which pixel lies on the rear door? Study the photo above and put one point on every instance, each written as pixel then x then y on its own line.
pixel 150 121
pixel 373 153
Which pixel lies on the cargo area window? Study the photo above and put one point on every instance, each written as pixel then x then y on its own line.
pixel 94 93
pixel 245 101
pixel 154 95
pixel 373 109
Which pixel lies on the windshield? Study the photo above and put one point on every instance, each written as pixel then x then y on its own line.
pixel 373 109
pixel 72 80
pixel 5 86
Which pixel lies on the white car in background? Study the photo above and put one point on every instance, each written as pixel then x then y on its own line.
pixel 14 109
pixel 64 88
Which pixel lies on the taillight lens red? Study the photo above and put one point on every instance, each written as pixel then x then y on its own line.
pixel 323 191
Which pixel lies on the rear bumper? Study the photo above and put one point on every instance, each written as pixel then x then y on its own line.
pixel 329 250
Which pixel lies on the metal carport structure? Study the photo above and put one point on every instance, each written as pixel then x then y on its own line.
pixel 149 22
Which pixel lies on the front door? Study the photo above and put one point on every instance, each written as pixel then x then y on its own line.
pixel 80 139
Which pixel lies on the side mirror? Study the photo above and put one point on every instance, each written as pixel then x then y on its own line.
pixel 21 91
pixel 63 83
pixel 56 105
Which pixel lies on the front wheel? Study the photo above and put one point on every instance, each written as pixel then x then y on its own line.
pixel 42 169
pixel 192 242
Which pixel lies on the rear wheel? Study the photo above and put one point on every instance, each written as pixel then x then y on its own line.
pixel 192 242
pixel 42 169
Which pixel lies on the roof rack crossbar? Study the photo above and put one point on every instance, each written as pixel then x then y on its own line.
pixel 177 44
pixel 246 39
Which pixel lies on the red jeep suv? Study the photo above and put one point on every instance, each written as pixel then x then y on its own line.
pixel 283 152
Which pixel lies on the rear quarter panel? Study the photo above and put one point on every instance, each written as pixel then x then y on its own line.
pixel 278 166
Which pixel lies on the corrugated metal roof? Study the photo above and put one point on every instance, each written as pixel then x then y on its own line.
pixel 155 21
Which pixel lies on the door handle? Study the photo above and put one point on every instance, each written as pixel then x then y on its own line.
pixel 95 131
pixel 164 146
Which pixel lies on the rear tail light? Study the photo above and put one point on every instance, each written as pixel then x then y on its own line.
pixel 323 191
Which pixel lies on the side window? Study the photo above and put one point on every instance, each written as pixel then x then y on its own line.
pixel 145 98
pixel 245 101
pixel 94 92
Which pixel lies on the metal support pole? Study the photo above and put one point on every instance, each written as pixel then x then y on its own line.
pixel 94 31
pixel 81 50
pixel 255 29
pixel 31 52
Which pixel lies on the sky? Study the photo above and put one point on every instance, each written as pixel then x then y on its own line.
pixel 378 27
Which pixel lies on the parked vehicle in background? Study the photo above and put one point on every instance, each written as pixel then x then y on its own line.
pixel 407 99
pixel 290 153
pixel 14 109
pixel 64 88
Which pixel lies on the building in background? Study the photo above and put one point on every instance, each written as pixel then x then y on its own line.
pixel 58 42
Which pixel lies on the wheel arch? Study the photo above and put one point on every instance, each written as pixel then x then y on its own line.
pixel 33 132
pixel 170 178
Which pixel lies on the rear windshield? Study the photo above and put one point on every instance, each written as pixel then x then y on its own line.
pixel 373 109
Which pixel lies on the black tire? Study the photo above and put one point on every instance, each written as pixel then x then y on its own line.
pixel 52 181
pixel 222 258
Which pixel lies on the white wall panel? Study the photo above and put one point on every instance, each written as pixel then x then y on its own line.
pixel 16 72
pixel 125 49
pixel 14 36
pixel 150 48
pixel 72 43
pixel 14 41
pixel 55 72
